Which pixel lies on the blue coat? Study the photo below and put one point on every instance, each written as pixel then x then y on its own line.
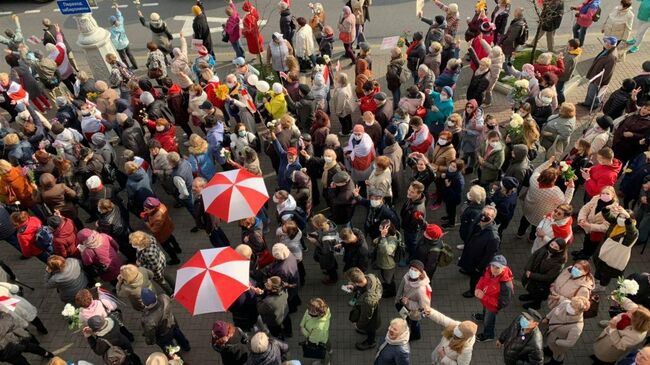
pixel 436 120
pixel 453 193
pixel 393 355
pixel 118 33
pixel 184 170
pixel 629 358
pixel 202 165
pixel 138 183
pixel 285 170
pixel 215 142
pixel 505 205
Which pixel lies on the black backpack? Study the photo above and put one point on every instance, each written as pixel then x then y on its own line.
pixel 522 38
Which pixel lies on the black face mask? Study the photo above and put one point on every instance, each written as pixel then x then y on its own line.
pixel 485 218
pixel 491 127
pixel 314 315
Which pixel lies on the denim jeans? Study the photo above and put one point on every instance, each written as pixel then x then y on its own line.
pixel 489 323
pixel 397 94
pixel 559 87
pixel 592 96
pixel 13 240
pixel 239 51
pixel 579 33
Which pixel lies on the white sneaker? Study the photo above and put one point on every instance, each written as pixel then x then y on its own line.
pixel 460 247
pixel 599 288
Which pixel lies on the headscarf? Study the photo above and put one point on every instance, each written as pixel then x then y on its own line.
pixel 346 11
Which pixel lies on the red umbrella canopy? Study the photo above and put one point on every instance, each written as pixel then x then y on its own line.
pixel 211 280
pixel 235 194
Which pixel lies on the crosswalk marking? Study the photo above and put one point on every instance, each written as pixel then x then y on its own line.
pixel 32 11
pixel 150 4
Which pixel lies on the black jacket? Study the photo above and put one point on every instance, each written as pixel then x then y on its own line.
pixel 356 255
pixel 416 58
pixel 133 138
pixel 480 248
pixel 235 351
pixel 522 349
pixel 468 219
pixel 642 297
pixel 68 116
pixel 477 86
pixel 427 252
pixel 202 30
pixel 375 216
pixel 500 22
pixel 342 201
pixel 287 26
pixel 643 81
pixel 544 270
pixel 99 342
pixel 305 110
pixel 7 229
pixel 159 109
pixel 409 223
pixel 618 103
pixel 113 224
pixel 539 113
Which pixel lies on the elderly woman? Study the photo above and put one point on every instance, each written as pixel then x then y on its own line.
pixel 413 295
pixel 395 349
pixel 623 333
pixel 542 197
pixel 151 257
pixel 472 209
pixel 565 324
pixel 457 342
pixel 156 63
pixel 181 66
pixel 342 103
pixel 199 158
pixel 542 268
pixel 592 221
pixel 480 81
pixel 15 188
pixel 66 276
pixel 558 129
pixel 574 281
pixel 24 311
pixel 131 281
pixel 157 219
pixel 99 254
pixel 106 99
pixel 347 32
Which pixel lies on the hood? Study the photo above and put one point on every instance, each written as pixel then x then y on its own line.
pixel 31 226
pixel 47 181
pixel 576 52
pixel 520 152
pixel 615 167
pixel 174 90
pixel 67 229
pixel 70 272
pixel 99 140
pixel 129 122
pixel 138 175
pixel 506 275
pixel 289 204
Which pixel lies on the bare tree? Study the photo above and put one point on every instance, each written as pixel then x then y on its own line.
pixel 546 11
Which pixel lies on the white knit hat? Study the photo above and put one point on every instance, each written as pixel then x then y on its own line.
pixel 280 251
pixel 93 182
pixel 146 98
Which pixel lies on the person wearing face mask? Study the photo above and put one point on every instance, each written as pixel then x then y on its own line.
pixel 471 212
pixel 378 211
pixel 614 253
pixel 592 221
pixel 413 296
pixel 454 126
pixel 494 290
pixel 452 191
pixel 480 81
pixel 473 128
pixel 315 326
pixel 605 173
pixel 573 281
pixel 504 198
pixel 240 140
pixel 360 155
pixel 490 158
pixel 598 135
pixel 457 341
pixel 441 156
pixel 541 270
pixel 605 62
pixel 480 247
pixel 340 195
pixel 321 168
pixel 565 323
pixel 522 342
pixel 541 108
pixel 556 224
pixel 165 133
pixel 443 106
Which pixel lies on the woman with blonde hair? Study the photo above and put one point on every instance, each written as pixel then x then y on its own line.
pixel 15 188
pixel 623 333
pixel 200 158
pixel 66 276
pixel 457 342
pixel 558 129
pixel 131 281
pixel 471 211
pixel 342 103
pixel 565 323
pixel 151 257
pixel 592 221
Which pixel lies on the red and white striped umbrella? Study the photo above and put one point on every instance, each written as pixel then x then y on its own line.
pixel 234 194
pixel 211 280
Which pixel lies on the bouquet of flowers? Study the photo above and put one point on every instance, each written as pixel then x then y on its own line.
pixel 404 38
pixel 172 353
pixel 92 96
pixel 516 126
pixel 520 91
pixel 567 172
pixel 71 314
pixel 625 287
pixel 273 125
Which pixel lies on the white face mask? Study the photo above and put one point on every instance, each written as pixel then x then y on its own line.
pixel 451 124
pixel 495 144
pixel 242 133
pixel 457 332
pixel 620 221
pixel 357 137
pixel 327 159
pixel 230 85
pixel 570 310
pixel 276 200
pixel 375 203
pixel 442 141
pixel 413 274
pixel 160 128
pixel 444 97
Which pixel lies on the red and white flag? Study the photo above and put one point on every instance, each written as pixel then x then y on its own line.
pixel 9 302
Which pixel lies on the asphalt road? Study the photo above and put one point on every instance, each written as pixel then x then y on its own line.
pixel 388 17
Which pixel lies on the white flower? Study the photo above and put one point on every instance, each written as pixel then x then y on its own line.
pixel 516 120
pixel 222 152
pixel 98 285
pixel 629 287
pixel 564 166
pixel 69 310
pixel 522 84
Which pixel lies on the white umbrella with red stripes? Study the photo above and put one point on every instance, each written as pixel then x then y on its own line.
pixel 234 194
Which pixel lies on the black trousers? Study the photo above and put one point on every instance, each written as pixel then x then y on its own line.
pixel 523 226
pixel 473 280
pixel 172 247
pixel 28 347
pixel 126 53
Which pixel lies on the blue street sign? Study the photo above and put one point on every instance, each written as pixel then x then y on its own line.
pixel 72 7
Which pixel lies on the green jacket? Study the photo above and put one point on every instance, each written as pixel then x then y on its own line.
pixel 368 303
pixel 492 166
pixel 386 247
pixel 644 11
pixel 316 330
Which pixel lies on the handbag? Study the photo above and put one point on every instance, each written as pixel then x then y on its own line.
pixel 355 314
pixel 155 73
pixel 615 254
pixel 594 301
pixel 115 355
pixel 224 36
pixel 345 37
pixel 312 350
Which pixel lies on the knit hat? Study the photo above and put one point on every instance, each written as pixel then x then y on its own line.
pixel 57 128
pixel 277 36
pixel 440 19
pixel 449 91
pixel 154 17
pixel 292 151
pixel 341 177
pixel 358 128
pixel 60 101
pixel 148 296
pixel 392 129
pixel 146 98
pixel 262 86
pixel 96 323
pixel 468 329
pixel 605 122
pixel 304 89
pixel 151 203
pixel 510 182
pixel 112 19
pixel 23 116
pixel 93 182
pixel 220 329
pixel 84 235
pixel 646 66
pixel 280 251
pixel 277 88
pixel 98 138
pixel 54 221
pixel 247 7
pixel 259 343
pixel 499 261
pixel 121 117
pixel 433 231
pixel 380 96
pixel 202 50
pixel 610 40
pixel 239 61
pixel 417 264
pixel 157 358
pixel 196 10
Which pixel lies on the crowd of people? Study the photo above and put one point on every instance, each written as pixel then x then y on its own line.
pixel 85 160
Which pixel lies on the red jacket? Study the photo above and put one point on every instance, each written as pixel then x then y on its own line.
pixel 556 69
pixel 252 33
pixel 65 239
pixel 27 237
pixel 167 139
pixel 497 290
pixel 211 91
pixel 601 176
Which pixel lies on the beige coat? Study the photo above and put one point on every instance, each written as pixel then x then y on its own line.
pixel 451 357
pixel 341 103
pixel 597 222
pixel 564 330
pixel 619 23
pixel 381 182
pixel 415 294
pixel 612 344
pixel 106 104
pixel 565 287
pixel 441 156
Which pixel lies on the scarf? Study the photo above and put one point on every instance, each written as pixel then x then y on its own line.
pixel 326 168
pixel 625 322
pixel 401 340
pixel 616 231
pixel 412 47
